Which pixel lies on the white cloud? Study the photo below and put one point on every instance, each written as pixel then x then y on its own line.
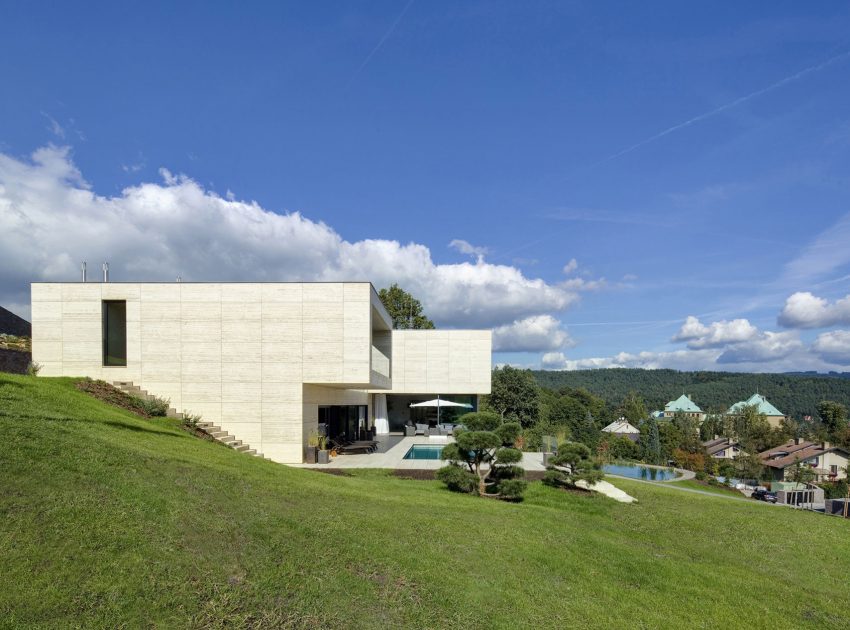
pixel 678 360
pixel 465 247
pixel 715 335
pixel 767 347
pixel 570 266
pixel 833 346
pixel 828 252
pixel 50 221
pixel 553 361
pixel 805 310
pixel 54 127
pixel 533 334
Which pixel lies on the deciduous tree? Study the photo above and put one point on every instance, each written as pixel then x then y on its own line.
pixel 514 395
pixel 405 310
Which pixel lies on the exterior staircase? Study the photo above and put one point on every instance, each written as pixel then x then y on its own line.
pixel 214 431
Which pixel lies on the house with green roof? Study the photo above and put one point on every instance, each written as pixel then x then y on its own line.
pixel 684 404
pixel 773 415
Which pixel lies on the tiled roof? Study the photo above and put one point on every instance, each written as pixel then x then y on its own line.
pixel 719 444
pixel 786 454
pixel 682 403
pixel 759 401
pixel 621 426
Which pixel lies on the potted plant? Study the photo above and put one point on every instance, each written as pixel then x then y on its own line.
pixel 323 450
pixel 312 445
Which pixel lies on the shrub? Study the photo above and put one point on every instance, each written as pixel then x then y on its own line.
pixel 457 479
pixel 154 406
pixel 190 420
pixel 701 475
pixel 573 463
pixel 834 490
pixel 33 368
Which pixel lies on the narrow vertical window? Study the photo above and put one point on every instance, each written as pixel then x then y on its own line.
pixel 114 332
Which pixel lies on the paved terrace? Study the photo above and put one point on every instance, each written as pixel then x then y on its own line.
pixel 392 451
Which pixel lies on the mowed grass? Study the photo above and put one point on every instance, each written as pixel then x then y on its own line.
pixel 109 520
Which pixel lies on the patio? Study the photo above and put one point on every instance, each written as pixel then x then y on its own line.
pixel 391 452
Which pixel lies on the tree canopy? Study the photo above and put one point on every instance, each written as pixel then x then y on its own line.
pixel 514 395
pixel 405 309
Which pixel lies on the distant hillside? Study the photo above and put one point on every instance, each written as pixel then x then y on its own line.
pixel 793 394
pixel 11 324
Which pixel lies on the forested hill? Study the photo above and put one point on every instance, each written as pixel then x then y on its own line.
pixel 793 394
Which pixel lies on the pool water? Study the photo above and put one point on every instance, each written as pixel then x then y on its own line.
pixel 636 471
pixel 424 451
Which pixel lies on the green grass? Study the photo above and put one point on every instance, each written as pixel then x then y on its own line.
pixel 698 485
pixel 110 520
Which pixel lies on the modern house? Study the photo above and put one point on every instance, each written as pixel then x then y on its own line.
pixel 774 416
pixel 267 362
pixel 623 428
pixel 683 404
pixel 828 462
pixel 723 448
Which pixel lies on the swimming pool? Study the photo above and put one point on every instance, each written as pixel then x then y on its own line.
pixel 637 471
pixel 424 451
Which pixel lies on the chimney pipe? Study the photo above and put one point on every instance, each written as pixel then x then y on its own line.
pixel 83 270
pixel 106 272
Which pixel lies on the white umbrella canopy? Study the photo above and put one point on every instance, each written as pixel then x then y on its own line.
pixel 439 403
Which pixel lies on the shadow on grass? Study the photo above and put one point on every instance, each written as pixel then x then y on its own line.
pixel 139 429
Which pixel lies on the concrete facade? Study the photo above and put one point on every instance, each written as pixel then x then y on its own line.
pixel 441 361
pixel 256 358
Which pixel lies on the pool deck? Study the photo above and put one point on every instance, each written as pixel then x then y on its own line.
pixel 393 457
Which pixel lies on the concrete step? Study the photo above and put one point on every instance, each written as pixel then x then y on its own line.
pixel 250 452
pixel 242 447
pixel 218 434
pixel 231 442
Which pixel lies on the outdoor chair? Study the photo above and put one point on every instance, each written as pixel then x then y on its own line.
pixel 421 429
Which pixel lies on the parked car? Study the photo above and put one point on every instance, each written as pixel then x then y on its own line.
pixel 764 495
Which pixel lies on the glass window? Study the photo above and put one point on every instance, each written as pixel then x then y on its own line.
pixel 114 332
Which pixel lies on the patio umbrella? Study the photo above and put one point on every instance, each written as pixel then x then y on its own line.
pixel 439 404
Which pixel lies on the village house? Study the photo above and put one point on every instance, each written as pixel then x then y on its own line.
pixel 723 448
pixel 828 462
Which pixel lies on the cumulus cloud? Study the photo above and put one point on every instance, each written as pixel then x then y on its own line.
pixel 677 360
pixel 570 266
pixel 805 310
pixel 833 346
pixel 715 335
pixel 51 219
pixel 538 333
pixel 767 347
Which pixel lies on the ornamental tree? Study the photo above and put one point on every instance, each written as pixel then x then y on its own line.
pixel 572 463
pixel 482 459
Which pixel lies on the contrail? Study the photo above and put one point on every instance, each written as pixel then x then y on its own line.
pixel 379 44
pixel 723 108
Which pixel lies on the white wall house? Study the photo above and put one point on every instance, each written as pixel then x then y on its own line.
pixel 262 360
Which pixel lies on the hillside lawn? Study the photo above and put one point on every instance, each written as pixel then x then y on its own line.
pixel 111 520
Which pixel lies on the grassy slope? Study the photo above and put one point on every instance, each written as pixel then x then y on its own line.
pixel 107 519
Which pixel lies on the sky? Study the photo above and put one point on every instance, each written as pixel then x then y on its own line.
pixel 601 183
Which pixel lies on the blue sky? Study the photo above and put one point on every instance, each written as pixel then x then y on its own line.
pixel 691 159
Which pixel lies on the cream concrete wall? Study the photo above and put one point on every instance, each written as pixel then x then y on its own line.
pixel 237 354
pixel 441 361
